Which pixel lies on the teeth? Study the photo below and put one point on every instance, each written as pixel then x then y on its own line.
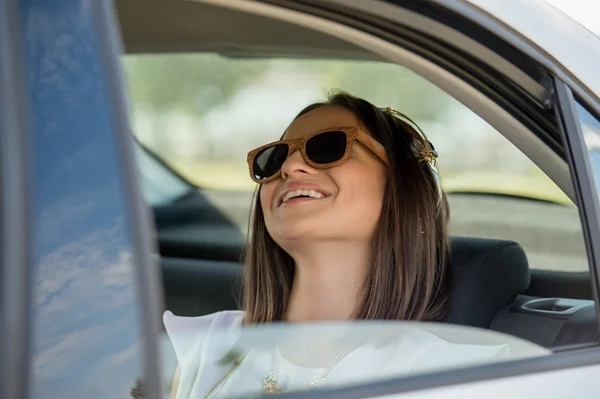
pixel 298 193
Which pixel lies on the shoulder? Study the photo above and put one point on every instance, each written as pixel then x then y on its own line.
pixel 226 318
pixel 187 333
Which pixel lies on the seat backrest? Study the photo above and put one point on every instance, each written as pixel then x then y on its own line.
pixel 486 275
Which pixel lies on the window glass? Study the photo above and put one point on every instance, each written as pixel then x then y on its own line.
pixel 160 185
pixel 302 357
pixel 591 134
pixel 85 330
pixel 202 113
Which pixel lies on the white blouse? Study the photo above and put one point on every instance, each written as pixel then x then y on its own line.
pixel 201 343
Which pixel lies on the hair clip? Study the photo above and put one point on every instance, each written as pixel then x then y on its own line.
pixel 429 155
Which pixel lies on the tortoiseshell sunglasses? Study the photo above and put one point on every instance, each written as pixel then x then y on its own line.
pixel 323 149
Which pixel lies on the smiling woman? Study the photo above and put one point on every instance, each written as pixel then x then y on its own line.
pixel 183 106
pixel 370 243
pixel 368 204
pixel 200 114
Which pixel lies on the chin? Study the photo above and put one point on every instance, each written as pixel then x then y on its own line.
pixel 295 234
pixel 297 231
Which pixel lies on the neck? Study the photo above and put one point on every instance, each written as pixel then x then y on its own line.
pixel 327 281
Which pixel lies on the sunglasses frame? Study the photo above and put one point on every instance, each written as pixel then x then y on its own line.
pixel 352 134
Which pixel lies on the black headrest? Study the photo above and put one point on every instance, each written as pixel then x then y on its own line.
pixel 487 275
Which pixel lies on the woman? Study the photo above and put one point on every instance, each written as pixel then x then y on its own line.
pixel 350 223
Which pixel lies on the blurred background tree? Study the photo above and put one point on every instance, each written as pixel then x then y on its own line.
pixel 202 113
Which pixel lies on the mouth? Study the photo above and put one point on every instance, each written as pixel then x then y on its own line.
pixel 301 195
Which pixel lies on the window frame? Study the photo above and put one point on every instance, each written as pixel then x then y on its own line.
pixel 15 276
pixel 568 360
pixel 147 273
pixel 16 213
pixel 588 203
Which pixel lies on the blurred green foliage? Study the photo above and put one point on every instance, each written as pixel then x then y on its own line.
pixel 173 95
pixel 192 82
pixel 195 83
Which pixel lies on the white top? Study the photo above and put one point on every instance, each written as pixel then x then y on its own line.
pixel 201 342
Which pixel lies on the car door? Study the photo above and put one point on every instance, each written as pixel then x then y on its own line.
pixel 78 310
pixel 79 317
pixel 505 80
pixel 567 372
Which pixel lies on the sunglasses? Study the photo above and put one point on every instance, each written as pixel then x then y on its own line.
pixel 322 149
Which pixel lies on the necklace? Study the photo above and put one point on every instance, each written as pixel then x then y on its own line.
pixel 271 380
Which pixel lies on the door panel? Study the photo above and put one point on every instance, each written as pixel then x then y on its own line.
pixel 574 383
pixel 548 283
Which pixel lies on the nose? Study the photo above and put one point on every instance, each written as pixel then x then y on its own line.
pixel 295 165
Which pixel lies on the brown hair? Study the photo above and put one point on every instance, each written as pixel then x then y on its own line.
pixel 408 279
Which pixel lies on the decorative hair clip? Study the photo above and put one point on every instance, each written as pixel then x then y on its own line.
pixel 429 154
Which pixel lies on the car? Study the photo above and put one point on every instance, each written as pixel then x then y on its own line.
pixel 123 133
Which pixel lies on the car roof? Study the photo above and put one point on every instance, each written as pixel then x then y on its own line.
pixel 556 34
pixel 174 27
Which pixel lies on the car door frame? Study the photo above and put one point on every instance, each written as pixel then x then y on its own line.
pixel 148 275
pixel 14 216
pixel 16 213
pixel 586 191
pixel 559 101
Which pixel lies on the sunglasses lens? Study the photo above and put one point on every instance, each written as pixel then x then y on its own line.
pixel 326 147
pixel 269 161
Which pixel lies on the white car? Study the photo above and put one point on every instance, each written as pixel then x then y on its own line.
pixel 102 230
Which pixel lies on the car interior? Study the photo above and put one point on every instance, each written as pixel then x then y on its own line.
pixel 201 246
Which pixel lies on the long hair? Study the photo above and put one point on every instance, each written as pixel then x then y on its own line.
pixel 408 276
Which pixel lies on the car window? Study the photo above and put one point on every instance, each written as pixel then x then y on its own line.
pixel 591 134
pixel 285 358
pixel 85 311
pixel 160 185
pixel 202 113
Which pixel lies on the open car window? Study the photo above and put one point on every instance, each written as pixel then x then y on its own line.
pixel 160 184
pixel 283 358
pixel 197 115
pixel 201 113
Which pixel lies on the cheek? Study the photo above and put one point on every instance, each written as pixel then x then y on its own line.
pixel 362 192
pixel 266 196
pixel 367 184
pixel 370 195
